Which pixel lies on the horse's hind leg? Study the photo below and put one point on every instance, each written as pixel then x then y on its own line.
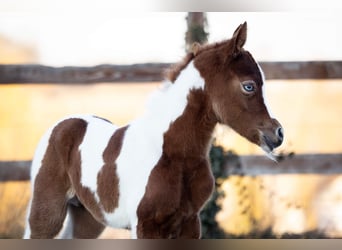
pixel 49 204
pixel 84 225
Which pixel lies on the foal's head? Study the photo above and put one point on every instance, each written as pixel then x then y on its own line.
pixel 233 82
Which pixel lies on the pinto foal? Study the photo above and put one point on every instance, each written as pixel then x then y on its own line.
pixel 153 175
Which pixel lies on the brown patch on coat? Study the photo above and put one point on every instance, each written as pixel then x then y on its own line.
pixel 107 179
pixel 189 135
pixel 49 204
pixel 181 182
pixel 69 144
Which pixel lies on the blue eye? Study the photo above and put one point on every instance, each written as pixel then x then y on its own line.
pixel 248 87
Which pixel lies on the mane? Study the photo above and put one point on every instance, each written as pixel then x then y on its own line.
pixel 173 72
pixel 211 46
pixel 171 95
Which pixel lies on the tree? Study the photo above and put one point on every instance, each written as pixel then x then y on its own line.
pixel 196 29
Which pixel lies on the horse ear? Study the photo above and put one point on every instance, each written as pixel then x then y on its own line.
pixel 239 38
pixel 195 47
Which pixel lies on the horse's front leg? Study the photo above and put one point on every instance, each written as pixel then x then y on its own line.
pixel 160 203
pixel 200 185
pixel 168 228
pixel 191 228
pixel 182 225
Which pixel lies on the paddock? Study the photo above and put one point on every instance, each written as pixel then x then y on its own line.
pixel 298 197
pixel 321 95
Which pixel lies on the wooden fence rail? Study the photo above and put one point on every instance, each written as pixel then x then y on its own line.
pixel 247 165
pixel 24 73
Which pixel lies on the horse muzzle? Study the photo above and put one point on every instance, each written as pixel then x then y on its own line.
pixel 271 137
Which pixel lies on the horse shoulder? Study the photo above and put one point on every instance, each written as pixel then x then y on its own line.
pixel 163 191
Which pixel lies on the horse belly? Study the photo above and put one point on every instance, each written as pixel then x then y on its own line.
pixel 139 155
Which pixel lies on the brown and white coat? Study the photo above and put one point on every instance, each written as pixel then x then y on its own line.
pixel 153 175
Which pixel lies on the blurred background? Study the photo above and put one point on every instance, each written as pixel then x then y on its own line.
pixel 300 196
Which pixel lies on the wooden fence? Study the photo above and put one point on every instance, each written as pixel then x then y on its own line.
pixel 150 72
pixel 14 175
pixel 252 165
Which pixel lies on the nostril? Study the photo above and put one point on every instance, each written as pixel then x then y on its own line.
pixel 280 133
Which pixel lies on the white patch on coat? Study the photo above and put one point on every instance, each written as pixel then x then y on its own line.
pixel 141 147
pixel 40 153
pixel 142 144
pixel 264 90
pixel 95 141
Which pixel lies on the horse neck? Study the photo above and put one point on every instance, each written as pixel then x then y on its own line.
pixel 189 136
pixel 191 120
pixel 169 102
pixel 175 106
